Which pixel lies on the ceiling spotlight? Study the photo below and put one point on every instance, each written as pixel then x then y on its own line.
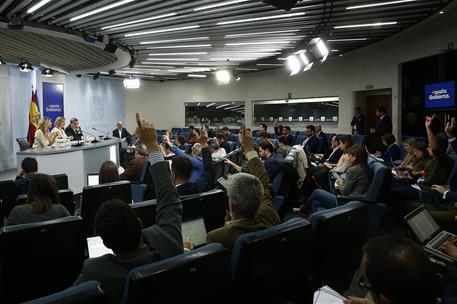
pixel 96 76
pixel 319 49
pixel 25 67
pixel 47 72
pixel 293 64
pixel 223 77
pixel 131 83
pixel 306 62
pixel 237 78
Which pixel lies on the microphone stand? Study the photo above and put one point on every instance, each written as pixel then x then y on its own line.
pixel 107 133
pixel 95 137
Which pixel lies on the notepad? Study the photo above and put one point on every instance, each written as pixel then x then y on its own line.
pixel 96 247
pixel 326 295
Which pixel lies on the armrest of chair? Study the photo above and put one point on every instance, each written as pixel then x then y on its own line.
pixel 355 198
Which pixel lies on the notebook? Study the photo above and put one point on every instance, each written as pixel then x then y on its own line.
pixel 92 179
pixel 96 247
pixel 429 233
pixel 194 230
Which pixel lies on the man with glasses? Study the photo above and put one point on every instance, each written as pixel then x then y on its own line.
pixel 395 270
pixel 73 129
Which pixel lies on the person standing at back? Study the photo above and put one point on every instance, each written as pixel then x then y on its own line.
pixel 122 133
pixel 358 122
pixel 383 126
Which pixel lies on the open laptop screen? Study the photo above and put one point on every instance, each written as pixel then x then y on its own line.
pixel 92 179
pixel 195 231
pixel 422 224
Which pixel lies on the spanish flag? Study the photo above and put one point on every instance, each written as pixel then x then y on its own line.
pixel 34 117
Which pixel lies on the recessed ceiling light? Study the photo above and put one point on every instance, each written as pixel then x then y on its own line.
pixel 441 12
pixel 348 39
pixel 138 21
pixel 210 6
pixel 180 46
pixel 366 25
pixel 174 40
pixel 196 75
pixel 261 18
pixel 101 9
pixel 269 64
pixel 257 43
pixel 162 31
pixel 178 54
pixel 259 33
pixel 173 59
pixel 37 6
pixel 378 4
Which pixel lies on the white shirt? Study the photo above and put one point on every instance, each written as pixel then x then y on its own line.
pixel 61 133
pixel 218 154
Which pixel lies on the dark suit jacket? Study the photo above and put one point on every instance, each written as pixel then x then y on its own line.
pixel 133 171
pixel 312 144
pixel 359 123
pixel 265 217
pixel 205 181
pixel 323 143
pixel 125 134
pixel 392 153
pixel 384 126
pixel 334 157
pixel 77 135
pixel 162 240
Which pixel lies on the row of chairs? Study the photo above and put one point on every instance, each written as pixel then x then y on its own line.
pixel 9 199
pixel 280 263
pixel 59 246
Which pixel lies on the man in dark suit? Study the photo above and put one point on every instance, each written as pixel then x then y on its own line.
pixel 358 122
pixel 122 133
pixel 181 171
pixel 311 142
pixel 73 130
pixel 384 126
pixel 323 147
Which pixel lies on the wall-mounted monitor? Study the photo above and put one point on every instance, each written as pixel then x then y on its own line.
pixel 440 95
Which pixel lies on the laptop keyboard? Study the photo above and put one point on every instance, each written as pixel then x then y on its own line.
pixel 439 241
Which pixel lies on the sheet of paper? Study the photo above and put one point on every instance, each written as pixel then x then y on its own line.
pixel 96 247
pixel 326 295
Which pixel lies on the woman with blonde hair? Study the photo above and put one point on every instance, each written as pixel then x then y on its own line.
pixel 42 136
pixel 59 126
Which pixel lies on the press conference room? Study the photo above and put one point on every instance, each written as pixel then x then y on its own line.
pixel 228 151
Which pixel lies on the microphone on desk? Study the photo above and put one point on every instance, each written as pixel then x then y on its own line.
pixel 95 137
pixel 107 133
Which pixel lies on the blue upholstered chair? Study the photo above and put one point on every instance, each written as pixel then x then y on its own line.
pixel 338 236
pixel 201 276
pixel 270 261
pixel 88 292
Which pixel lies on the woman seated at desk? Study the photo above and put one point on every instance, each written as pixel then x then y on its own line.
pixel 59 126
pixel 42 136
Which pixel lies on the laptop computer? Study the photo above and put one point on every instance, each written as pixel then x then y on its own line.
pixel 92 179
pixel 429 233
pixel 194 230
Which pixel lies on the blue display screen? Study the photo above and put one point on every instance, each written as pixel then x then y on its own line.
pixel 440 95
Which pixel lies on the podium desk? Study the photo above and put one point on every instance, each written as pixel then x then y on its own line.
pixel 76 162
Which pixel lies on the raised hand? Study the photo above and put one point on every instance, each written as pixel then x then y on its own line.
pixel 203 138
pixel 429 120
pixel 147 134
pixel 246 139
pixel 450 127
